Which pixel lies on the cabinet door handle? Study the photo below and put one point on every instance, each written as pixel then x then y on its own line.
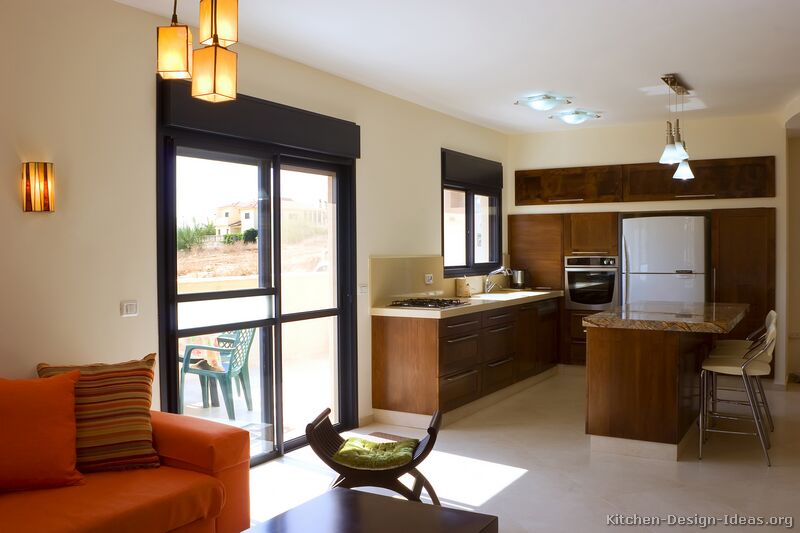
pixel 496 317
pixel 544 288
pixel 563 200
pixel 714 288
pixel 498 330
pixel 500 363
pixel 461 324
pixel 462 339
pixel 461 376
pixel 711 195
pixel 597 252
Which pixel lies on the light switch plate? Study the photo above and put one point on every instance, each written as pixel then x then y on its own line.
pixel 128 308
pixel 428 279
pixel 363 288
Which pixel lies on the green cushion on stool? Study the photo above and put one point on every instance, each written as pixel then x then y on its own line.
pixel 368 455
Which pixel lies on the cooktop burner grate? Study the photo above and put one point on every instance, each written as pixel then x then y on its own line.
pixel 431 303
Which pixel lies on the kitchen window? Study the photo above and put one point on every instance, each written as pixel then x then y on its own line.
pixel 471 211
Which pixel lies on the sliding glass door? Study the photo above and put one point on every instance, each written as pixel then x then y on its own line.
pixel 225 291
pixel 309 296
pixel 256 277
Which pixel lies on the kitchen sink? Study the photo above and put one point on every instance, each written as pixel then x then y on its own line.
pixel 503 295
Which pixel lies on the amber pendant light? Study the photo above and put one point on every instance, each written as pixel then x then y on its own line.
pixel 175 49
pixel 214 77
pixel 220 17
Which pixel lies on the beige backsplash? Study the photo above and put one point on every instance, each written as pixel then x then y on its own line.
pixel 403 276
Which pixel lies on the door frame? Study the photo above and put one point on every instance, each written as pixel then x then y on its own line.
pixel 167 141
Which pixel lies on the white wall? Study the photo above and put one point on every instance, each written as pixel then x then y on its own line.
pixel 638 143
pixel 82 94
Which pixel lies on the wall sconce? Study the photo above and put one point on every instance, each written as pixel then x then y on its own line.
pixel 38 187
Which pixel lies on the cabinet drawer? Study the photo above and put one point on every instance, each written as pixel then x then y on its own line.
pixel 459 389
pixel 576 329
pixel 499 341
pixel 577 353
pixel 497 375
pixel 460 325
pixel 499 316
pixel 459 353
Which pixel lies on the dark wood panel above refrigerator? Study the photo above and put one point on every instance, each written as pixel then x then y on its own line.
pixel 741 177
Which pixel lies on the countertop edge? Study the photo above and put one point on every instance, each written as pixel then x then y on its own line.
pixel 664 325
pixel 474 307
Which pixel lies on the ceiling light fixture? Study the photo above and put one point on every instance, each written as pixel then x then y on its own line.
pixel 575 116
pixel 674 149
pixel 174 44
pixel 215 66
pixel 544 101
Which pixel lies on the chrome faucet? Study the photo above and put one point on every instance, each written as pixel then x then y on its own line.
pixel 488 284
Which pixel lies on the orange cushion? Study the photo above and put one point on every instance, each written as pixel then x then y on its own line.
pixel 112 408
pixel 37 437
pixel 132 501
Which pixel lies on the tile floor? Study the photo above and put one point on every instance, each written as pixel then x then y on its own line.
pixel 527 460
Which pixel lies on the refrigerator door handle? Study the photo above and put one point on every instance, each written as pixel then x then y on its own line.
pixel 627 267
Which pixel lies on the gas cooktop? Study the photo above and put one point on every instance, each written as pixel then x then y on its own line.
pixel 429 303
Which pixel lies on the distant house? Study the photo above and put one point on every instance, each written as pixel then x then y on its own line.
pixel 236 218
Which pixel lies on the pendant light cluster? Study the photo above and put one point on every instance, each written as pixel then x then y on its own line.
pixel 548 101
pixel 211 68
pixel 675 148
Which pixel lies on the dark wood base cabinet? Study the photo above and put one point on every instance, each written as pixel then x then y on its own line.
pixel 643 385
pixel 422 364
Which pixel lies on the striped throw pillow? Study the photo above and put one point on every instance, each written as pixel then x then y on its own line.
pixel 112 414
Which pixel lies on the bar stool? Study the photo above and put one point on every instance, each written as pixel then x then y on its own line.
pixel 737 347
pixel 750 368
pixel 771 324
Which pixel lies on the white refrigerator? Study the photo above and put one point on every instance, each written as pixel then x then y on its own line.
pixel 664 259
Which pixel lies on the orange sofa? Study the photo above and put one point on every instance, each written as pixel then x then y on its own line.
pixel 202 486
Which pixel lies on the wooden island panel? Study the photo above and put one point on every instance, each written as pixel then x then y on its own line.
pixel 642 384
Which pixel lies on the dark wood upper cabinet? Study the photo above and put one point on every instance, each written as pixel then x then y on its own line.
pixel 535 244
pixel 743 262
pixel 569 185
pixel 741 177
pixel 591 234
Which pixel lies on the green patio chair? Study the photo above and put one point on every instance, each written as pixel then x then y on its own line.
pixel 234 350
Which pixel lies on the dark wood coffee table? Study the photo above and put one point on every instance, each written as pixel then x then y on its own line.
pixel 353 511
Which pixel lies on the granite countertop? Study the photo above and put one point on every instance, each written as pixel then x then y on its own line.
pixel 476 304
pixel 671 316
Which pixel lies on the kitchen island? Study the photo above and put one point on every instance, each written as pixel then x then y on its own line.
pixel 642 373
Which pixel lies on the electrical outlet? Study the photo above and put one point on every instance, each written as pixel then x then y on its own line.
pixel 128 308
pixel 428 279
pixel 363 288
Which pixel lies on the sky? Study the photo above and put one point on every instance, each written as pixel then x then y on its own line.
pixel 202 185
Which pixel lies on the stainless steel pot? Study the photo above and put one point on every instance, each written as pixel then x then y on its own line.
pixel 518 278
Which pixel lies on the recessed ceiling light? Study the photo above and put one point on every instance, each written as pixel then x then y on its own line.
pixel 575 116
pixel 543 102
